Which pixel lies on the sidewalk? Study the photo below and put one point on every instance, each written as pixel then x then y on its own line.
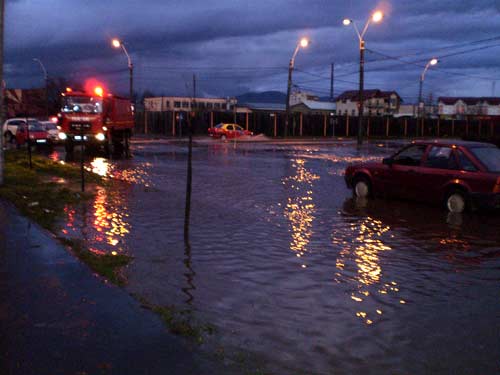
pixel 56 317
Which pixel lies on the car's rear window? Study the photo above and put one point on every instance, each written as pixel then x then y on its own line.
pixel 489 156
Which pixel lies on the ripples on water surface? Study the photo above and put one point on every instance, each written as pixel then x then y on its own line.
pixel 291 269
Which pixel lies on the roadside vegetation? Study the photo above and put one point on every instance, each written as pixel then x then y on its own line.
pixel 43 192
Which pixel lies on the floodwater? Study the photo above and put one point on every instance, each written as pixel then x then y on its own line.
pixel 289 268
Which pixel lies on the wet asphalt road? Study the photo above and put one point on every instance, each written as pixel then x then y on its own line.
pixel 294 272
pixel 56 317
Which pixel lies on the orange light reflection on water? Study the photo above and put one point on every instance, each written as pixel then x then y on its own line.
pixel 364 252
pixel 299 210
pixel 111 224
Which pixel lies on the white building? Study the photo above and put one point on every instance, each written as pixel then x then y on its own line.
pixel 183 103
pixel 468 106
pixel 297 97
pixel 376 103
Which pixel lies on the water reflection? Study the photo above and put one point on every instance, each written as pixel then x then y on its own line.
pixel 103 224
pixel 189 274
pixel 109 223
pixel 300 208
pixel 362 241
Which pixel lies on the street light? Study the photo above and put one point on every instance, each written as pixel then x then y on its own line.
pixel 376 17
pixel 117 44
pixel 46 78
pixel 421 111
pixel 304 42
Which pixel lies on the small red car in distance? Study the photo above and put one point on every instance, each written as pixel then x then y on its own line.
pixel 37 134
pixel 457 174
pixel 225 131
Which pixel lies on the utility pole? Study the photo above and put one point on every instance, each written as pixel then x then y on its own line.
pixel 2 89
pixel 361 88
pixel 332 76
pixel 288 92
pixel 493 85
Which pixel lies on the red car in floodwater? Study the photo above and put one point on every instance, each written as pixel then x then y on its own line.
pixel 37 133
pixel 224 131
pixel 458 174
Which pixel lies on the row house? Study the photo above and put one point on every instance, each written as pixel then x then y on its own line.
pixel 468 106
pixel 376 103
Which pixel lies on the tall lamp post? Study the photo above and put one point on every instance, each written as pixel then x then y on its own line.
pixel 46 78
pixel 375 17
pixel 117 44
pixel 421 107
pixel 304 42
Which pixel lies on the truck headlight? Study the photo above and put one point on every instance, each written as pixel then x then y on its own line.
pixel 100 137
pixel 62 136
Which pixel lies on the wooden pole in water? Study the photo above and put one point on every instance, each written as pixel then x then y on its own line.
pixel 187 209
pixel 347 126
pixel 406 127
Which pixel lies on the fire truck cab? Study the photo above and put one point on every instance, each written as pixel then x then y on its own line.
pixel 98 120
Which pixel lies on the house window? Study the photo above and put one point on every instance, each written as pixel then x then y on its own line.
pixel 217 105
pixel 177 104
pixel 185 104
pixel 353 112
pixel 209 105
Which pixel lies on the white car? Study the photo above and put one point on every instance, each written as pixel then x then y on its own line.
pixel 52 131
pixel 10 126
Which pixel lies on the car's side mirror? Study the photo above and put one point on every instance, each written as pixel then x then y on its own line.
pixel 388 161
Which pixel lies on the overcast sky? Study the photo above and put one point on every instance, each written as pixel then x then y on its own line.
pixel 236 46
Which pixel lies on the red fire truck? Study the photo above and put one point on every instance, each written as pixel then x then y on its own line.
pixel 98 119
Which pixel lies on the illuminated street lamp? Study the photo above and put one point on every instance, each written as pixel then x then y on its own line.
pixel 303 43
pixel 376 17
pixel 46 79
pixel 117 44
pixel 421 111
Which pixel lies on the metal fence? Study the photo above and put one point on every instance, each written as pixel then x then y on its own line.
pixel 272 125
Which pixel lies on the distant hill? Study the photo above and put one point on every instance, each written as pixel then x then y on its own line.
pixel 262 97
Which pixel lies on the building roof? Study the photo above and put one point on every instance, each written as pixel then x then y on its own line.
pixel 353 95
pixel 451 100
pixel 272 107
pixel 319 106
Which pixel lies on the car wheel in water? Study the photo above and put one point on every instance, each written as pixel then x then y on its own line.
pixel 456 202
pixel 68 147
pixel 361 188
pixel 223 137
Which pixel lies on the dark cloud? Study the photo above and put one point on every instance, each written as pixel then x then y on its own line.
pixel 234 46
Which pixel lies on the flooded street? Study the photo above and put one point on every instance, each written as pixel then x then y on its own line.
pixel 288 267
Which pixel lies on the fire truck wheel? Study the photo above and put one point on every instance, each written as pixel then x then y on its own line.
pixel 68 146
